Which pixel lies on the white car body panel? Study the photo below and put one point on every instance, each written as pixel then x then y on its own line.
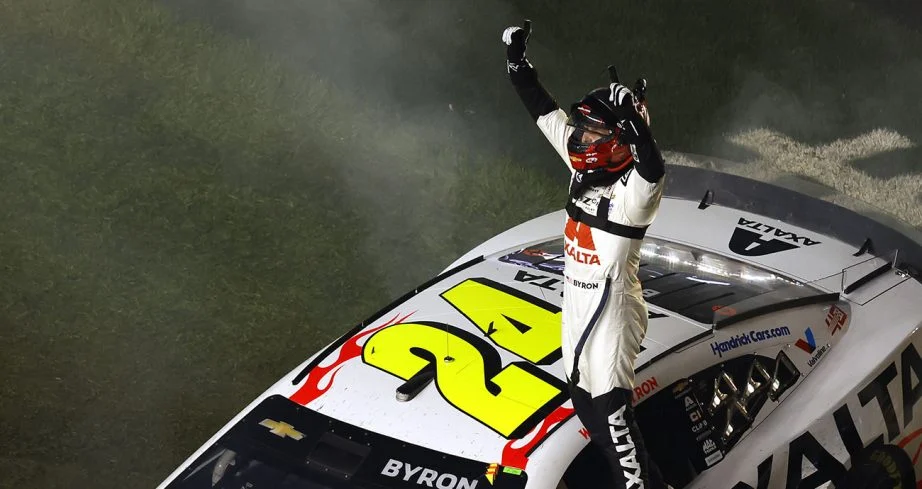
pixel 884 317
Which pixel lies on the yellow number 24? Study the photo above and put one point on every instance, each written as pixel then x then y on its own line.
pixel 469 373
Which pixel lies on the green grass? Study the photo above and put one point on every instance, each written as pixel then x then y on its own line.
pixel 149 225
pixel 178 229
pixel 184 218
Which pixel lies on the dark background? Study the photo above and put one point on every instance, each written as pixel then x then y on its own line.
pixel 195 195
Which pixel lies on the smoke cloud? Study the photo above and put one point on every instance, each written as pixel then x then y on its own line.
pixel 403 68
pixel 428 76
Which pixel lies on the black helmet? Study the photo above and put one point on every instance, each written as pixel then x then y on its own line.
pixel 594 142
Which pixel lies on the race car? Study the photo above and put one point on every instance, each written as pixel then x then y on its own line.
pixel 782 352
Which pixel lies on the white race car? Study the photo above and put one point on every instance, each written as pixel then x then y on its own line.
pixel 782 352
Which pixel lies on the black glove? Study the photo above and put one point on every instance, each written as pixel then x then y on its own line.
pixel 634 129
pixel 516 39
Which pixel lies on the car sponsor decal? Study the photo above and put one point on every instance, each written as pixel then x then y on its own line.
pixel 819 354
pixel 713 458
pixel 424 476
pixel 281 429
pixel 491 473
pixel 321 378
pixel 542 281
pixel 537 259
pixel 704 434
pixel 753 238
pixel 645 388
pixel 880 418
pixel 469 374
pixel 720 347
pixel 835 319
pixel 808 344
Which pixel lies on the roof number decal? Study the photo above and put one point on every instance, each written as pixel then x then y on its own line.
pixel 469 372
pixel 513 320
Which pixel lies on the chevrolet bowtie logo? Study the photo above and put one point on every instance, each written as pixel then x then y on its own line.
pixel 281 429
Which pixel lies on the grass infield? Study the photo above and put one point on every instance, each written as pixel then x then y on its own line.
pixel 175 234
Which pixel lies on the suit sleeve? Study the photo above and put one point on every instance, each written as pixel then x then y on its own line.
pixel 648 160
pixel 645 184
pixel 537 100
pixel 643 199
pixel 554 127
pixel 542 107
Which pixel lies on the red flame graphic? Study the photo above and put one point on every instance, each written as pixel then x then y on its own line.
pixel 905 441
pixel 312 386
pixel 517 456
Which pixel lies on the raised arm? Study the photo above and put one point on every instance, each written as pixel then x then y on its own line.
pixel 648 160
pixel 645 186
pixel 540 104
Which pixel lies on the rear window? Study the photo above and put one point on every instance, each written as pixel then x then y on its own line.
pixel 694 283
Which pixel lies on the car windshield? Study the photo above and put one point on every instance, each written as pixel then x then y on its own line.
pixel 281 444
pixel 223 467
pixel 687 281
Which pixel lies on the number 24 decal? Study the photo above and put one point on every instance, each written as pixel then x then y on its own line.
pixel 469 373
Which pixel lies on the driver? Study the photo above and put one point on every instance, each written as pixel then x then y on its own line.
pixel 616 185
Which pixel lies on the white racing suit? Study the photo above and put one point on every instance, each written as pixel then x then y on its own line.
pixel 604 312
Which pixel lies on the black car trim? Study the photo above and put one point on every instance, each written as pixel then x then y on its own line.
pixel 778 306
pixel 673 349
pixel 861 282
pixel 339 455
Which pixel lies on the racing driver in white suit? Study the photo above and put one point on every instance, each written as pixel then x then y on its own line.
pixel 616 184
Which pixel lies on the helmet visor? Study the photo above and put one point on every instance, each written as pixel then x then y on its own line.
pixel 589 130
